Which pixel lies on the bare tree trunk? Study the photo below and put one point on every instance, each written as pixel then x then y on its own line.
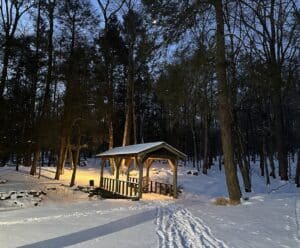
pixel 130 122
pixel 244 166
pixel 43 158
pixel 280 140
pixel 297 177
pixel 127 126
pixel 129 101
pixel 34 115
pixel 61 156
pixel 36 157
pixel 134 122
pixel 76 160
pixel 50 158
pixel 194 144
pixel 262 161
pixel 243 163
pixel 70 155
pixel 4 69
pixel 272 166
pixel 47 95
pixel 111 145
pixel 264 152
pixel 64 160
pixel 17 165
pixel 225 109
pixel 245 176
pixel 41 163
pixel 270 149
pixel 206 144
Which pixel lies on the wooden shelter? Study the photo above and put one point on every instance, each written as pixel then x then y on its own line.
pixel 143 155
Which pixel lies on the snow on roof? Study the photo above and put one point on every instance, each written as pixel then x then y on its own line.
pixel 138 148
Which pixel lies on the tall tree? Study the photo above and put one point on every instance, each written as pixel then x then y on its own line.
pixel 269 25
pixel 75 17
pixel 11 13
pixel 225 107
pixel 177 19
pixel 33 90
pixel 138 51
pixel 109 10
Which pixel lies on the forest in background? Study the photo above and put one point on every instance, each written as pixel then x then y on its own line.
pixel 214 78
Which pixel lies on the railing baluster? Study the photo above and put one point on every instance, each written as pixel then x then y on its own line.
pixel 135 189
pixel 130 185
pixel 123 187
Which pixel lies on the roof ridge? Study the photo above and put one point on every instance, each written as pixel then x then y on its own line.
pixel 137 149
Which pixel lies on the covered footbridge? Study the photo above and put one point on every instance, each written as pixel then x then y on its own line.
pixel 143 155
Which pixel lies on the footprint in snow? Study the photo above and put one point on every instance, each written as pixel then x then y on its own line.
pixel 177 227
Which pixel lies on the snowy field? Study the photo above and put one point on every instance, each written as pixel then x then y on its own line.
pixel 63 217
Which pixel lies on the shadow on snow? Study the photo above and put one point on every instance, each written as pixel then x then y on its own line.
pixel 95 232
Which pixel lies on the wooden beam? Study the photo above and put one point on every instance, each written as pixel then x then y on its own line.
pixel 126 156
pixel 103 160
pixel 148 162
pixel 118 162
pixel 147 174
pixel 140 166
pixel 160 157
pixel 173 164
pixel 127 164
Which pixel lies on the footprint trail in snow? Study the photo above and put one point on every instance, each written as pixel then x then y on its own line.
pixel 177 227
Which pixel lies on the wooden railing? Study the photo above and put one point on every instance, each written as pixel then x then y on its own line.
pixel 136 180
pixel 130 188
pixel 160 188
pixel 120 187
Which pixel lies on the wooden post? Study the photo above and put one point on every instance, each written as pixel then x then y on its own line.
pixel 123 190
pixel 140 166
pixel 173 164
pixel 118 165
pixel 147 179
pixel 128 163
pixel 148 164
pixel 101 172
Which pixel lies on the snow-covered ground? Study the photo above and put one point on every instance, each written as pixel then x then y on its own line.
pixel 68 218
